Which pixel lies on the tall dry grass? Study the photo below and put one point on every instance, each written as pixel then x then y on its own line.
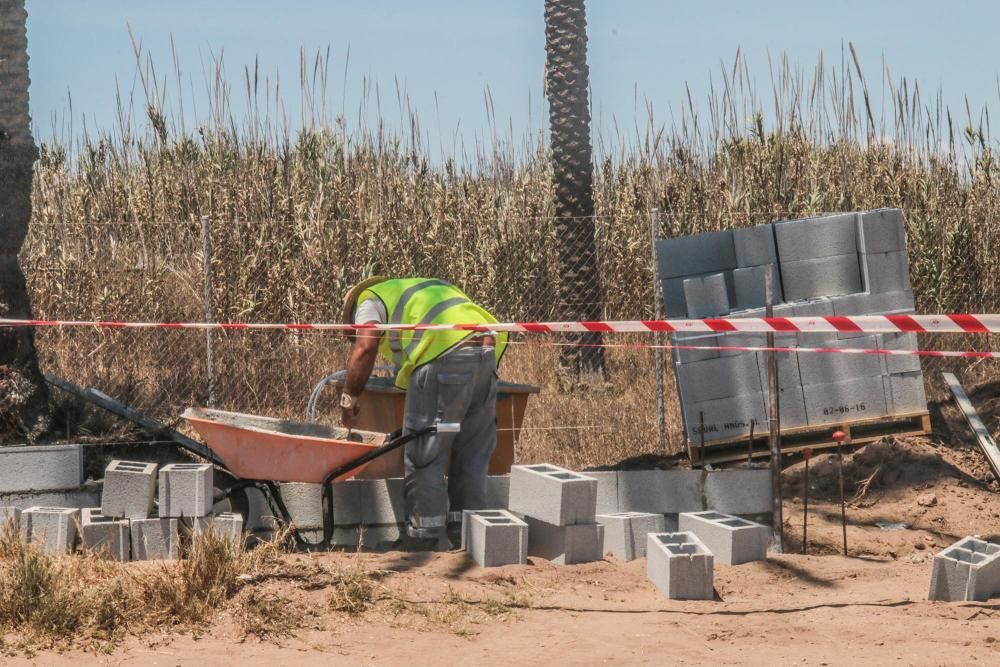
pixel 296 218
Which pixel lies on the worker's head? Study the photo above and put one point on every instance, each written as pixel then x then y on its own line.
pixel 351 301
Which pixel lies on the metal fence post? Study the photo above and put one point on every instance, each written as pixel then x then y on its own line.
pixel 661 424
pixel 206 261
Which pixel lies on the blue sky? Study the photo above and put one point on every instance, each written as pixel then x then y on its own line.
pixel 446 53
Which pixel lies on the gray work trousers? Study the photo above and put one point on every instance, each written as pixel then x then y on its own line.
pixel 459 387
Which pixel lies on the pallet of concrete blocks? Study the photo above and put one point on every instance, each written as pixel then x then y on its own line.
pixel 105 536
pixel 680 565
pixel 129 489
pixel 186 490
pixel 559 507
pixel 730 539
pixel 967 570
pixel 625 533
pixel 494 538
pixel 53 529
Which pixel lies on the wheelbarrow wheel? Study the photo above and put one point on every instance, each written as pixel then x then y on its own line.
pixel 230 496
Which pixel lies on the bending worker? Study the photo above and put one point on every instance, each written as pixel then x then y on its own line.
pixel 449 377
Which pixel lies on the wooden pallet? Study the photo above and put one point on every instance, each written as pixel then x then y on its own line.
pixel 794 440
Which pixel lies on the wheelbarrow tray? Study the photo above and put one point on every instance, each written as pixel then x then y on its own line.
pixel 280 450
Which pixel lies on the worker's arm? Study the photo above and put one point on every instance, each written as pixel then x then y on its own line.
pixel 360 362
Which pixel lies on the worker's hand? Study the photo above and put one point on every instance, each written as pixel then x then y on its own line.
pixel 349 416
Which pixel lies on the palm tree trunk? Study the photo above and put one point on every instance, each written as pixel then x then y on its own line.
pixel 567 85
pixel 24 399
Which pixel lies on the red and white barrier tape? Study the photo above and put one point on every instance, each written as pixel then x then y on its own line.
pixel 868 324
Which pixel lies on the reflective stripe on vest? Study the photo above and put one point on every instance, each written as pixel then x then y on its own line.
pixel 425 301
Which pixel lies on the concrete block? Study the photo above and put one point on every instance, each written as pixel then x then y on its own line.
pixel 380 536
pixel 724 418
pixel 227 525
pixel 738 491
pixel 882 230
pixel 827 276
pixel 129 489
pixel 186 490
pixel 906 393
pixel 755 246
pixel 819 306
pixel 812 238
pixel 382 501
pixel 53 529
pixel 681 566
pixel 849 400
pixel 625 533
pixel 156 539
pixel 494 538
pixel 731 540
pixel 700 253
pixel 967 570
pixel 885 303
pixel 751 286
pixel 886 272
pixel 565 545
pixel 304 503
pixel 497 491
pixel 660 491
pixel 10 515
pixel 706 296
pixel 899 364
pixel 105 536
pixel 826 367
pixel 87 496
pixel 788 369
pixel 40 467
pixel 553 494
pixel 742 340
pixel 718 378
pixel 691 356
pixel 607 490
pixel 791 403
pixel 673 297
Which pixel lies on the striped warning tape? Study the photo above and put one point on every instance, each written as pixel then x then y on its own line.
pixel 869 324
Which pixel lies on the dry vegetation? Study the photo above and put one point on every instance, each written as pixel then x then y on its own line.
pixel 295 219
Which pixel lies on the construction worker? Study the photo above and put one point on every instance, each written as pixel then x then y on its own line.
pixel 449 377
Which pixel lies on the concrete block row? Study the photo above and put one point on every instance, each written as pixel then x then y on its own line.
pixel 552 494
pixel 186 490
pixel 85 496
pixel 53 529
pixel 625 533
pixel 566 544
pixel 731 540
pixel 967 570
pixel 680 566
pixel 494 538
pixel 25 468
pixel 670 492
pixel 129 489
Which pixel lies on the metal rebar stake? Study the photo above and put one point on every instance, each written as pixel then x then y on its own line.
pixel 774 421
pixel 661 424
pixel 206 261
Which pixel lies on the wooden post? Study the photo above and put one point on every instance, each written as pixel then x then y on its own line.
pixel 774 421
pixel 661 423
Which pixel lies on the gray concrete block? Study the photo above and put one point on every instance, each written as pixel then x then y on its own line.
pixel 155 539
pixel 379 536
pixel 87 496
pixel 848 400
pixel 680 566
pixel 886 272
pixel 495 537
pixel 129 489
pixel 724 418
pixel 105 536
pixel 748 340
pixel 818 306
pixel 827 276
pixel 898 363
pixel 882 230
pixel 10 515
pixel 706 296
pixel 304 503
pixel 691 356
pixel 788 369
pixel 751 286
pixel 382 501
pixel 607 490
pixel 791 404
pixel 552 494
pixel 186 490
pixel 738 491
pixel 497 491
pixel 885 303
pixel 905 393
pixel 731 540
pixel 40 467
pixel 673 297
pixel 812 238
pixel 625 533
pixel 660 491
pixel 967 570
pixel 565 545
pixel 755 246
pixel 700 253
pixel 826 367
pixel 53 529
pixel 227 525
pixel 718 378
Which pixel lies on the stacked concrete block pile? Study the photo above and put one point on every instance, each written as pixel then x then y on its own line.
pixel 834 265
pixel 560 508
